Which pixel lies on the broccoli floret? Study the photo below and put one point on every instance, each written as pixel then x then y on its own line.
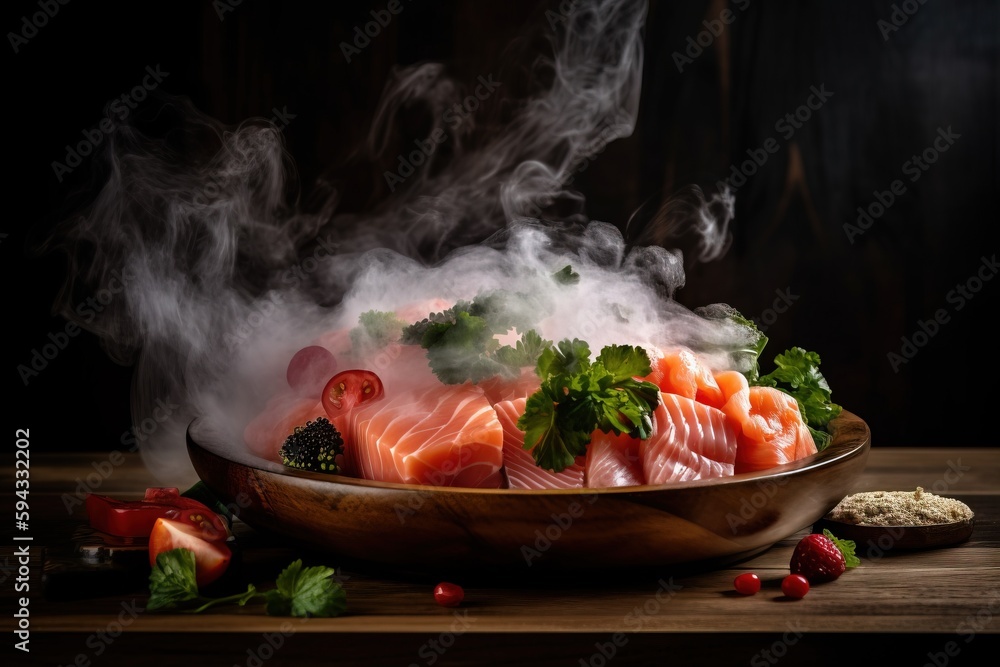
pixel 314 446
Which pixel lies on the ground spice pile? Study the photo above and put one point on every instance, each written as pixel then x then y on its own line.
pixel 899 508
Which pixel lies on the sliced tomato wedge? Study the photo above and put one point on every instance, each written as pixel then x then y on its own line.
pixel 347 389
pixel 211 556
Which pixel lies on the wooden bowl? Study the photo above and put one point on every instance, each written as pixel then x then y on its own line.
pixel 422 529
pixel 873 540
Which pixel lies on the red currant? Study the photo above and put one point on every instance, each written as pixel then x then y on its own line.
pixel 448 595
pixel 747 583
pixel 795 586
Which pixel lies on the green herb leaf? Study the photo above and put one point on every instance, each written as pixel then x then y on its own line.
pixel 306 592
pixel 524 353
pixel 552 448
pixel 298 592
pixel 461 342
pixel 624 362
pixel 566 276
pixel 846 547
pixel 578 397
pixel 375 330
pixel 750 354
pixel 172 580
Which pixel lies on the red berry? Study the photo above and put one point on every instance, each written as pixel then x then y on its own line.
pixel 747 583
pixel 448 595
pixel 818 559
pixel 795 586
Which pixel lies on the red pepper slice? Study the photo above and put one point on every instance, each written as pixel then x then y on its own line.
pixel 135 518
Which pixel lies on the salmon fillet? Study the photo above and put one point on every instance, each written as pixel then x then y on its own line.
pixel 447 435
pixel 519 465
pixel 690 440
pixel 771 429
pixel 507 389
pixel 613 460
pixel 680 371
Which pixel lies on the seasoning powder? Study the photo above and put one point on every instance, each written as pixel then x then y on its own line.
pixel 899 508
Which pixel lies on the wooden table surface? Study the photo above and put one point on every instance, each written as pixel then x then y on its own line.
pixel 936 607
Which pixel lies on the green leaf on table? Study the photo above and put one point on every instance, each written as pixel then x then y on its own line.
pixel 306 592
pixel 172 580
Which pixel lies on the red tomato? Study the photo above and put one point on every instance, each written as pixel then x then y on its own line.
pixel 349 388
pixel 211 556
pixel 309 370
pixel 747 583
pixel 209 523
pixel 448 595
pixel 136 518
pixel 795 586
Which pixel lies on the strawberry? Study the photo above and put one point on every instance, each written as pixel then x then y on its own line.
pixel 823 557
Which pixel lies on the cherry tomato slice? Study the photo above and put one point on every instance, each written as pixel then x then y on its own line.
pixel 209 523
pixel 350 388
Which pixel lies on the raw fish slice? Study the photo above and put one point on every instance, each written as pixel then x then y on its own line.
pixel 504 389
pixel 680 371
pixel 447 435
pixel 613 460
pixel 520 467
pixel 731 383
pixel 771 429
pixel 690 441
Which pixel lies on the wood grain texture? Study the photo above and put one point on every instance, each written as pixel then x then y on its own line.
pixel 911 602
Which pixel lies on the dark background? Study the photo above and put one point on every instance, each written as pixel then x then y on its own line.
pixel 854 301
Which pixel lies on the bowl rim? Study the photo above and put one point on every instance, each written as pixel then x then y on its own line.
pixel 837 451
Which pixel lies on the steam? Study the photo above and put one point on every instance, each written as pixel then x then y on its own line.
pixel 227 273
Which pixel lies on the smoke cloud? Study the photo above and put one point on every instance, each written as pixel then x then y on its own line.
pixel 229 274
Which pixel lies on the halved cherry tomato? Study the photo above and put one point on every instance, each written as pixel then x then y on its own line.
pixel 208 523
pixel 211 556
pixel 350 388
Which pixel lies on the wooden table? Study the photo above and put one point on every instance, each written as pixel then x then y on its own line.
pixel 931 607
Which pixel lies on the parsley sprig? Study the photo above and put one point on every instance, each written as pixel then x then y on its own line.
pixel 298 591
pixel 461 342
pixel 578 396
pixel 375 330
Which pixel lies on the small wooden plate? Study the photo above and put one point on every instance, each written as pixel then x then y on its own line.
pixel 426 528
pixel 876 539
